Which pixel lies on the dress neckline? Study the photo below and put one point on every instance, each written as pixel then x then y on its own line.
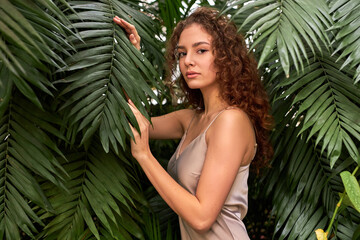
pixel 179 152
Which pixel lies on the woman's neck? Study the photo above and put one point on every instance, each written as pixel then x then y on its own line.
pixel 213 102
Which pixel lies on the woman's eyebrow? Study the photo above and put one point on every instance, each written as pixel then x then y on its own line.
pixel 194 45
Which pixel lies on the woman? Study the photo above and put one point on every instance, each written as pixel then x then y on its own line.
pixel 226 129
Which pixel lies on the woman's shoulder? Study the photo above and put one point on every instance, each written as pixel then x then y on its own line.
pixel 232 121
pixel 234 114
pixel 233 130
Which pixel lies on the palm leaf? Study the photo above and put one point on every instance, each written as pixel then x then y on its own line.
pixel 331 103
pixel 27 155
pixel 101 194
pixel 305 189
pixel 165 216
pixel 240 15
pixel 6 86
pixel 170 13
pixel 105 67
pixel 149 28
pixel 286 27
pixel 347 29
pixel 25 47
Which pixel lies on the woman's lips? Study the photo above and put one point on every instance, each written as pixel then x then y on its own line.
pixel 192 74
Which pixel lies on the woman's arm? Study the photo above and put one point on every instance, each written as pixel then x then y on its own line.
pixel 230 142
pixel 171 125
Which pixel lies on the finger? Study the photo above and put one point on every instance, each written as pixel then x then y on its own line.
pixel 129 28
pixel 131 103
pixel 134 132
pixel 133 39
pixel 140 118
pixel 137 38
pixel 117 20
pixel 124 24
pixel 134 31
pixel 136 112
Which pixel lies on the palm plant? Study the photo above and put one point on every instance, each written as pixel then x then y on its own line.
pixel 308 54
pixel 66 71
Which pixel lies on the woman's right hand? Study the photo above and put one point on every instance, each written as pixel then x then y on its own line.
pixel 130 30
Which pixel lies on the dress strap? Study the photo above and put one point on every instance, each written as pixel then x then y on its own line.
pixel 217 117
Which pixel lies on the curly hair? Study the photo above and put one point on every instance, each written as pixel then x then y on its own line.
pixel 238 79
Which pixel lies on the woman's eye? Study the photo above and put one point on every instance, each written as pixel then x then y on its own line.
pixel 181 54
pixel 201 51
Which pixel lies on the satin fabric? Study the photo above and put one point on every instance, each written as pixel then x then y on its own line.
pixel 186 168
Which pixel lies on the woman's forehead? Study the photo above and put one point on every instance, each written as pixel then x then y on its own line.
pixel 194 34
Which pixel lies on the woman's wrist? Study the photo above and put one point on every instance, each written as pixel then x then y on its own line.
pixel 145 156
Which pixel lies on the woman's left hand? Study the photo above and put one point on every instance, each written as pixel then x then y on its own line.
pixel 140 147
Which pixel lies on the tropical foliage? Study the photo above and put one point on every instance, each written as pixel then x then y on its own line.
pixel 308 54
pixel 66 71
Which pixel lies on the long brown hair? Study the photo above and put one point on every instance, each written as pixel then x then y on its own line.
pixel 238 79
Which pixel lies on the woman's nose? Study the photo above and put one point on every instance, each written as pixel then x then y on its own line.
pixel 189 61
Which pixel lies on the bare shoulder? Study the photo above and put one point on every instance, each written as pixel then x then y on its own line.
pixel 234 117
pixel 233 121
pixel 233 132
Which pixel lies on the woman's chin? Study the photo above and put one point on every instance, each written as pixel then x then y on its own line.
pixel 193 84
pixel 194 87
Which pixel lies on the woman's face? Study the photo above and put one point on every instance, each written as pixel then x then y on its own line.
pixel 196 59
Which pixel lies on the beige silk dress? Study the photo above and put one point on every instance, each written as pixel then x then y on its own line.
pixel 186 168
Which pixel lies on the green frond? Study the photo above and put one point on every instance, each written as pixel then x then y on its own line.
pixel 101 194
pixel 287 27
pixel 305 189
pixel 149 28
pixel 6 86
pixel 68 177
pixel 169 11
pixel 329 104
pixel 347 32
pixel 28 34
pixel 105 70
pixel 27 155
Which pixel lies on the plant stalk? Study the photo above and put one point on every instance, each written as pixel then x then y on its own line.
pixel 338 205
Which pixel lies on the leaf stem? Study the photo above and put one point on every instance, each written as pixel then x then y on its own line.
pixel 338 205
pixel 335 212
pixel 355 170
